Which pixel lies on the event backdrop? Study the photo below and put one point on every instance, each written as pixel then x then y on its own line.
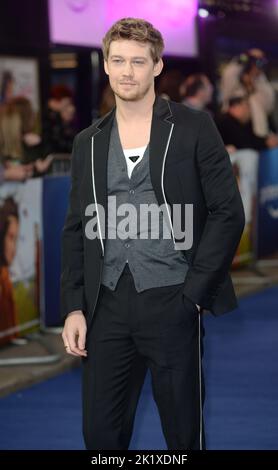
pixel 55 201
pixel 267 225
pixel 85 22
pixel 20 255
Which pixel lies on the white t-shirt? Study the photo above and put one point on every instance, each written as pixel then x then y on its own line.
pixel 139 151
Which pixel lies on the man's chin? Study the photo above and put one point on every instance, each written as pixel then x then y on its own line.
pixel 128 96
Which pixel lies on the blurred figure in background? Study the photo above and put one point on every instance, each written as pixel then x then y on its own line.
pixel 169 85
pixel 7 87
pixel 235 127
pixel 19 143
pixel 59 129
pixel 196 91
pixel 246 72
pixel 11 133
pixel 107 101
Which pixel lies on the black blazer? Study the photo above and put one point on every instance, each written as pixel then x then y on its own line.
pixel 188 165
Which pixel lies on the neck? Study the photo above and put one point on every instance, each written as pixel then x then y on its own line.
pixel 134 111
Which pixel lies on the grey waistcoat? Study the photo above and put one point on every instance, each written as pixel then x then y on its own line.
pixel 153 262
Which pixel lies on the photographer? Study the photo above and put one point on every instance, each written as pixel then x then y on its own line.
pixel 247 72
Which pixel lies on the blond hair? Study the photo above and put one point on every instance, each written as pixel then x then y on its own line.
pixel 134 29
pixel 10 135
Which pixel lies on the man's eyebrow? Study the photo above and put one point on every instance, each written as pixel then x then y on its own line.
pixel 121 57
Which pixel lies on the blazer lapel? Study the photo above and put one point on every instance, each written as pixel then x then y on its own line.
pixel 99 156
pixel 161 132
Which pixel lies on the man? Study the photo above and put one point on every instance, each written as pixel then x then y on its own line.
pixel 138 300
pixel 196 91
pixel 236 130
pixel 59 131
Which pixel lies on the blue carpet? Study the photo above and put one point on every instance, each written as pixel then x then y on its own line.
pixel 241 411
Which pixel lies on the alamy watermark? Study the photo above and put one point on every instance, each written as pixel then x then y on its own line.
pixel 151 221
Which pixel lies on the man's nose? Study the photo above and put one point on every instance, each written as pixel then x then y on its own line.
pixel 128 69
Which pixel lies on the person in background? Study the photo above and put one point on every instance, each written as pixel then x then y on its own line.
pixel 107 101
pixel 196 91
pixel 11 133
pixel 247 73
pixel 7 87
pixel 168 85
pixel 19 143
pixel 236 129
pixel 59 129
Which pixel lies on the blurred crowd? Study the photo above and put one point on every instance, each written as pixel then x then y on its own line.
pixel 241 103
pixel 29 142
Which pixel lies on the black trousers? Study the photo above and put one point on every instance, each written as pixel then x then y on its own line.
pixel 159 329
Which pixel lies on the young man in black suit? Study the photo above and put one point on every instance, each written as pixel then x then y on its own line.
pixel 138 299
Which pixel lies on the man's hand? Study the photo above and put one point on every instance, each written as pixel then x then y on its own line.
pixel 31 139
pixel 231 149
pixel 198 307
pixel 43 165
pixel 74 334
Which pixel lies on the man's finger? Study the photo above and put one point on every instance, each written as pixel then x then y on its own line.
pixel 69 351
pixel 78 351
pixel 72 338
pixel 66 342
pixel 82 339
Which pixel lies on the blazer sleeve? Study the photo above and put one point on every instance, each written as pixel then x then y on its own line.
pixel 225 220
pixel 72 276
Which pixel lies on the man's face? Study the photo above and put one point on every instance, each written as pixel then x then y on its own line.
pixel 131 69
pixel 207 91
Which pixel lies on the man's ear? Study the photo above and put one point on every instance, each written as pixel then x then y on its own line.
pixel 158 68
pixel 105 67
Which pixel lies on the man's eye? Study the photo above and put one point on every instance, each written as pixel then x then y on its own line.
pixel 138 62
pixel 117 61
